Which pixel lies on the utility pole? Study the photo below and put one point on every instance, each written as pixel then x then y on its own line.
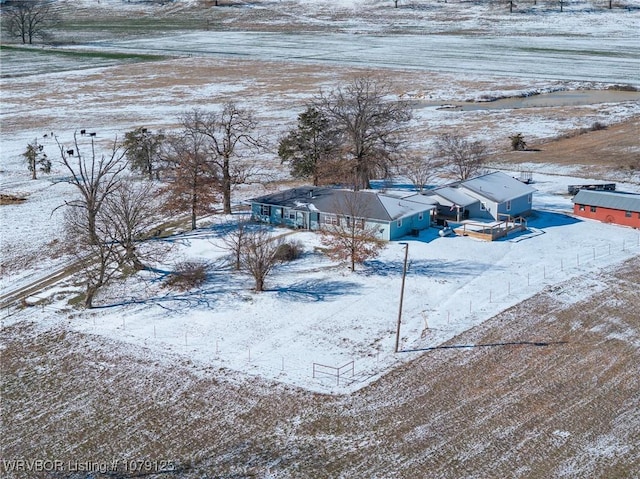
pixel 404 275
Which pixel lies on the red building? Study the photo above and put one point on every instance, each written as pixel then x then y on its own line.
pixel 608 206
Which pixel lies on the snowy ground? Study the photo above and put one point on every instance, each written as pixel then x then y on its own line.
pixel 316 311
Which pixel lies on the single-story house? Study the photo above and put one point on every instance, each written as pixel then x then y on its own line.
pixel 608 206
pixel 492 196
pixel 393 216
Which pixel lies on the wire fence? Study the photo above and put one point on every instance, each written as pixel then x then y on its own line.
pixel 344 370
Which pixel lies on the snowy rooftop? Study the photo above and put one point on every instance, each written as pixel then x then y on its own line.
pixel 617 200
pixel 368 204
pixel 497 186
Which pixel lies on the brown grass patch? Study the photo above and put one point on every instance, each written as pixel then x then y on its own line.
pixel 613 147
pixel 7 199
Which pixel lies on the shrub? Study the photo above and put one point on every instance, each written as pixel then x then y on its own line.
pixel 187 275
pixel 289 251
pixel 517 142
pixel 598 126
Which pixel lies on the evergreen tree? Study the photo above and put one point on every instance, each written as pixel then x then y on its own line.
pixel 143 151
pixel 36 157
pixel 308 148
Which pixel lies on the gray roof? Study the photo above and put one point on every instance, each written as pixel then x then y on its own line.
pixel 360 204
pixel 453 196
pixel 616 200
pixel 497 186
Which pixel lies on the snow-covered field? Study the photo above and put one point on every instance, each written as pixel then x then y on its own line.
pixel 316 311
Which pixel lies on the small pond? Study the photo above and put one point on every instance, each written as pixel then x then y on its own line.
pixel 554 99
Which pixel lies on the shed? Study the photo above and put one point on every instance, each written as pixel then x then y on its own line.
pixel 617 207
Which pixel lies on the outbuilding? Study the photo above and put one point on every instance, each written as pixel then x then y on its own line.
pixel 608 206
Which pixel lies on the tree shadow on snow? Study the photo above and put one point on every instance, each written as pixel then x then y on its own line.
pixel 220 282
pixel 431 268
pixel 316 290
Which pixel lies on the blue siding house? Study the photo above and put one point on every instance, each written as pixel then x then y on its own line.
pixel 392 216
pixel 488 197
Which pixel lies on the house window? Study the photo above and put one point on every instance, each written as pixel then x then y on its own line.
pixel 509 205
pixel 529 198
pixel 265 210
pixel 330 219
pixel 399 223
pixel 483 206
pixel 581 207
pixel 627 214
pixel 592 209
pixel 292 215
pixel 420 216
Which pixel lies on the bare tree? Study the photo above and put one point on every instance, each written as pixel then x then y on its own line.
pixel 349 237
pixel 192 176
pixel 229 132
pixel 464 158
pixel 132 211
pixel 259 254
pixel 94 178
pixel 419 169
pixel 234 242
pixel 93 248
pixel 36 157
pixel 370 126
pixel 29 19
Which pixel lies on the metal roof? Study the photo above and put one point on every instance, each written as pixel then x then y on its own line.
pixel 616 200
pixel 453 196
pixel 497 186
